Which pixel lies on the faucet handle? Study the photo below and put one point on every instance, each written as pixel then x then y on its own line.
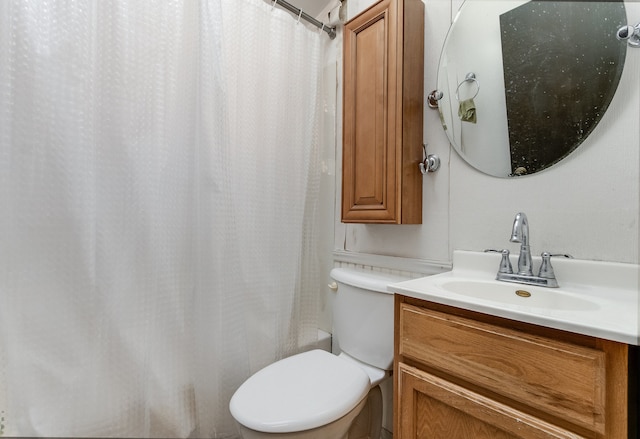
pixel 546 270
pixel 505 263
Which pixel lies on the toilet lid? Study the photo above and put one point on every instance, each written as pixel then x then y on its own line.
pixel 299 393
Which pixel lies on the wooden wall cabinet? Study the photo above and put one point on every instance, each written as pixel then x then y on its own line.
pixel 461 374
pixel 383 98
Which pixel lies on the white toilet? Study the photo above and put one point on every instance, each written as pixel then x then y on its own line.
pixel 318 395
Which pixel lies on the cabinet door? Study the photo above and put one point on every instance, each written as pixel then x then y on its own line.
pixel 369 150
pixel 382 114
pixel 432 408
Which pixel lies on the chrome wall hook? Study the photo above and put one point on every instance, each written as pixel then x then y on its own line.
pixel 630 34
pixel 433 98
pixel 430 163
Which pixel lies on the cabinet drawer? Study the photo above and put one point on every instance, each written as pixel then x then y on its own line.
pixel 562 379
pixel 434 408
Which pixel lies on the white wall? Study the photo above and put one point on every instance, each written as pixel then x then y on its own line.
pixel 587 206
pixel 328 139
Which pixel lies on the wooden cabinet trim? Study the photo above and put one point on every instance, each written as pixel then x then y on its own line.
pixel 411 51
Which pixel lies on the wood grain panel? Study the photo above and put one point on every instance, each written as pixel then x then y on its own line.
pixel 562 379
pixel 371 145
pixel 412 129
pixel 437 409
pixel 383 98
pixel 368 156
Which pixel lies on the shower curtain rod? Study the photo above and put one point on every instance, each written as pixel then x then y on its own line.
pixel 300 13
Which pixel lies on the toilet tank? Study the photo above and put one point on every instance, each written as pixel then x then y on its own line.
pixel 363 315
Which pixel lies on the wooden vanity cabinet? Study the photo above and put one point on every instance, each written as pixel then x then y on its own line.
pixel 461 374
pixel 383 98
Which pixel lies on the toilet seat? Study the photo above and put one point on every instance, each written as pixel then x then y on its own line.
pixel 299 393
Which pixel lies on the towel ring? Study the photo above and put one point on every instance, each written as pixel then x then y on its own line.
pixel 471 77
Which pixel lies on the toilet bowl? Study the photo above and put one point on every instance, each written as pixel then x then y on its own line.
pixel 319 395
pixel 310 395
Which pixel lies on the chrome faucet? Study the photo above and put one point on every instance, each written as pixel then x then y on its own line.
pixel 520 234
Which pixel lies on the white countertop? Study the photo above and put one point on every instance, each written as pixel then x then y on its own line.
pixel 599 299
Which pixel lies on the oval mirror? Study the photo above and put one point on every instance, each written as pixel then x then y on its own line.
pixel 525 82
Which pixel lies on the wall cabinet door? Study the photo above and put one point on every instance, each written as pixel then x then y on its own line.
pixel 383 114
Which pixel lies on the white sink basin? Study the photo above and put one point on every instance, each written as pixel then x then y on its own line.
pixel 519 295
pixel 600 299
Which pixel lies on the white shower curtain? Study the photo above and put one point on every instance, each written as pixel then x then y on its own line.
pixel 158 187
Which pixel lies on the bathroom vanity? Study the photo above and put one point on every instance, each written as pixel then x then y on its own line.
pixel 498 378
pixel 480 366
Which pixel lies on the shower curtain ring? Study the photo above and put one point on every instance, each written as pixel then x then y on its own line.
pixel 273 5
pixel 299 15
